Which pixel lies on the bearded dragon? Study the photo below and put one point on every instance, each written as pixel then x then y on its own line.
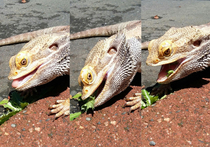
pixel 32 66
pixel 181 50
pixel 111 66
pixel 44 58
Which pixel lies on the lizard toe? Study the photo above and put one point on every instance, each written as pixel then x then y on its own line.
pixel 28 92
pixel 134 102
pixel 161 90
pixel 62 108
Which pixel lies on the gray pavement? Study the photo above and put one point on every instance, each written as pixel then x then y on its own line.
pixel 17 18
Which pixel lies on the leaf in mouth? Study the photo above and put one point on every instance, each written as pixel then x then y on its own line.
pixel 169 72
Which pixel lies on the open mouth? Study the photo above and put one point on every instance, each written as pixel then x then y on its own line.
pixel 17 83
pixel 168 70
pixel 100 87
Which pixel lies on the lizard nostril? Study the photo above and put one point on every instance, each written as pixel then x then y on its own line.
pixel 54 46
pixel 156 61
pixel 112 51
pixel 197 43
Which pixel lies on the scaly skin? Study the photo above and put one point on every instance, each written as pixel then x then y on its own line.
pixel 25 37
pixel 183 50
pixel 48 49
pixel 40 61
pixel 42 49
pixel 111 66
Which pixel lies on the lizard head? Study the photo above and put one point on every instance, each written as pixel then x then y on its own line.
pixel 109 68
pixel 173 51
pixel 35 62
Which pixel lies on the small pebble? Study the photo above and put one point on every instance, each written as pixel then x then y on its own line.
pixel 152 143
pixel 123 113
pixel 156 17
pixel 23 129
pixel 88 118
pixel 38 129
pixel 153 105
pixel 13 125
pixel 126 128
pixel 48 119
pixel 99 123
pixel 167 119
pixel 113 123
pixel 106 123
pixel 24 111
pixel 23 1
pixel 81 127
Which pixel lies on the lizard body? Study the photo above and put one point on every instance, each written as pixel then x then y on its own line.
pixel 111 65
pixel 30 35
pixel 40 61
pixel 32 66
pixel 183 50
pixel 105 30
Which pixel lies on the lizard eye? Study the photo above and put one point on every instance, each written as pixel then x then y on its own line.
pixel 24 61
pixel 21 60
pixel 87 75
pixel 165 49
pixel 167 52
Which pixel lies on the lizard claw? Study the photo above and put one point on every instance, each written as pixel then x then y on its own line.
pixel 61 108
pixel 134 102
pixel 28 92
pixel 162 89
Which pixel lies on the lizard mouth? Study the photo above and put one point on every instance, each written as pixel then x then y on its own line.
pixel 19 82
pixel 98 92
pixel 167 71
pixel 100 88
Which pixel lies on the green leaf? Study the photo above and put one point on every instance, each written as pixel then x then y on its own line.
pixel 169 73
pixel 23 105
pixel 15 104
pixel 77 95
pixel 86 105
pixel 4 101
pixel 143 105
pixel 149 99
pixel 5 117
pixel 89 104
pixel 12 106
pixel 75 115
